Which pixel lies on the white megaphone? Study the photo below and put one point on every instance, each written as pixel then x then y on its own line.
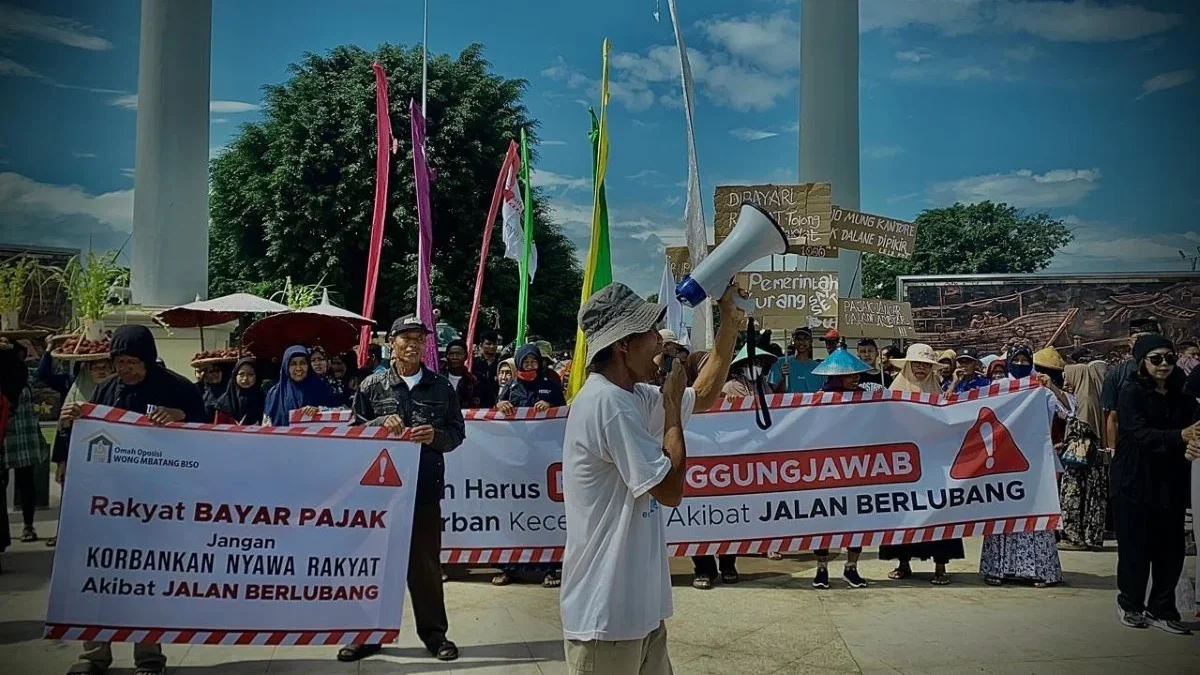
pixel 755 236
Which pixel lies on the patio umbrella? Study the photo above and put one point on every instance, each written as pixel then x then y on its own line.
pixel 220 310
pixel 327 309
pixel 270 336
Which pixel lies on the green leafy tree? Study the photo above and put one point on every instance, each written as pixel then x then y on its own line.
pixel 293 194
pixel 983 238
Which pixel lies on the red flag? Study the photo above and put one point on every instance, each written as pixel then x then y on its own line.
pixel 384 143
pixel 511 164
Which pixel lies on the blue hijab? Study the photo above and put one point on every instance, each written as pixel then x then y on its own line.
pixel 287 395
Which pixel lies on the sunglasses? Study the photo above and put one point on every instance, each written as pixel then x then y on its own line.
pixel 1158 359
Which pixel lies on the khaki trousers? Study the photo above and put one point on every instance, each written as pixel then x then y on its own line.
pixel 145 655
pixel 647 656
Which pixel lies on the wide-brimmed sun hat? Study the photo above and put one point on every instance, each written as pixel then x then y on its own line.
pixel 744 355
pixel 841 362
pixel 615 312
pixel 919 353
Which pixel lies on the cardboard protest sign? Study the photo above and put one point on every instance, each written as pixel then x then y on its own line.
pixel 803 211
pixel 873 234
pixel 787 300
pixel 874 318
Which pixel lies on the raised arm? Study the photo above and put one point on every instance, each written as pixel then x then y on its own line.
pixel 716 370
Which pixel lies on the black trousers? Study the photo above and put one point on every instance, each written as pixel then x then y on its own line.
pixel 706 565
pixel 425 574
pixel 1149 544
pixel 26 487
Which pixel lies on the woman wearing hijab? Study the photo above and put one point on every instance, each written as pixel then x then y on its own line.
pixel 1083 490
pixel 299 388
pixel 994 367
pixel 212 381
pixel 463 381
pixel 1150 472
pixel 91 374
pixel 243 402
pixel 946 367
pixel 1030 556
pixel 504 373
pixel 322 367
pixel 918 376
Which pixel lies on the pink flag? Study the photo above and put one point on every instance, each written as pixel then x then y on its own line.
pixel 384 142
pixel 511 163
pixel 424 234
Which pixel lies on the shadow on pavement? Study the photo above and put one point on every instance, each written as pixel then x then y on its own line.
pixel 12 632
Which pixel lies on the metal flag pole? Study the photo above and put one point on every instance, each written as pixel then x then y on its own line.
pixel 425 62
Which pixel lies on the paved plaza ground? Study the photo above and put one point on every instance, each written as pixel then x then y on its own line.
pixel 772 622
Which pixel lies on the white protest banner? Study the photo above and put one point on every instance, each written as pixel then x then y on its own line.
pixel 217 534
pixel 323 417
pixel 834 470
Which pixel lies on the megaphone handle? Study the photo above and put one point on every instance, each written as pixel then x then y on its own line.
pixel 762 413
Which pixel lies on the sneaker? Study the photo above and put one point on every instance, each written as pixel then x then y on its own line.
pixel 853 579
pixel 822 578
pixel 1172 626
pixel 1131 619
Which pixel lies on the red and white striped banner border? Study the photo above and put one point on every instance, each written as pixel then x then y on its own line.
pixel 118 416
pixel 463 556
pixel 332 416
pixel 199 636
pixel 782 401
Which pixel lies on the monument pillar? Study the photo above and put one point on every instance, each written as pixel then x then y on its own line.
pixel 170 199
pixel 829 116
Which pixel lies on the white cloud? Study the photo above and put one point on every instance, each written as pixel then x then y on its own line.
pixel 218 120
pixel 1176 78
pixel 552 142
pixel 130 102
pixel 10 68
pixel 752 134
pixel 1022 189
pixel 548 179
pixel 972 73
pixel 44 214
pixel 128 172
pixel 1024 53
pixel 1055 20
pixel 644 173
pixel 1102 246
pixel 792 128
pixel 17 22
pixel 769 41
pixel 84 155
pixel 883 151
pixel 914 55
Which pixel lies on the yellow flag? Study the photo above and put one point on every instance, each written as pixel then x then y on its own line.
pixel 597 272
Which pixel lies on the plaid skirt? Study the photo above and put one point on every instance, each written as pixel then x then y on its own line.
pixel 24 444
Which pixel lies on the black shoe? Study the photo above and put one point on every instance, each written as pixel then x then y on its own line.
pixel 852 577
pixel 352 653
pixel 822 578
pixel 1131 619
pixel 1172 626
pixel 444 651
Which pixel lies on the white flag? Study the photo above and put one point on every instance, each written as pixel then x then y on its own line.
pixel 513 212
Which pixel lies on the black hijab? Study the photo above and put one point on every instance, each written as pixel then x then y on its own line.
pixel 14 376
pixel 243 405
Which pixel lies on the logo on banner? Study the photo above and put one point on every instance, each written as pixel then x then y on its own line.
pixel 988 449
pixel 100 449
pixel 382 472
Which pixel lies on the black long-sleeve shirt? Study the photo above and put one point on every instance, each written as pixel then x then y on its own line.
pixel 1149 466
pixel 432 401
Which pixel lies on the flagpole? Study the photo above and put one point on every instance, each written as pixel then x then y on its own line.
pixel 523 297
pixel 425 61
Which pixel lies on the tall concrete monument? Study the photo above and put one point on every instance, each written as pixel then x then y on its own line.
pixel 170 199
pixel 829 115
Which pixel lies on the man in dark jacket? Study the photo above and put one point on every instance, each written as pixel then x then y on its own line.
pixel 484 368
pixel 141 385
pixel 408 396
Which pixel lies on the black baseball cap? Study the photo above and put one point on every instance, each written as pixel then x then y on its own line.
pixel 407 323
pixel 802 332
pixel 967 353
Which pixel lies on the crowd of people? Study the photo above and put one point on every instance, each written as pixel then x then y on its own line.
pixel 1124 434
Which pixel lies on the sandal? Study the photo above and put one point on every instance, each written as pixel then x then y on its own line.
pixel 702 583
pixel 502 579
pixel 29 535
pixel 993 581
pixel 901 572
pixel 352 653
pixel 730 577
pixel 942 579
pixel 774 555
pixel 551 580
pixel 1042 584
pixel 149 671
pixel 52 542
pixel 447 651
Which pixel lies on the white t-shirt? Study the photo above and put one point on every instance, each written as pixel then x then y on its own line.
pixel 615 582
pixel 454 380
pixel 413 380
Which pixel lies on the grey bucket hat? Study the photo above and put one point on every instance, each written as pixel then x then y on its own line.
pixel 615 312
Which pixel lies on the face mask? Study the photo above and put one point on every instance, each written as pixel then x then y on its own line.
pixel 1020 370
pixel 527 375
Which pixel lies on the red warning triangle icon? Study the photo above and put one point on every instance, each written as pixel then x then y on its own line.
pixel 382 472
pixel 988 449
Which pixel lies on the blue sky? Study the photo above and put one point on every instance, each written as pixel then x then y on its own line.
pixel 1085 109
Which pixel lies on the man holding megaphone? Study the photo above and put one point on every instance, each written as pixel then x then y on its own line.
pixel 623 456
